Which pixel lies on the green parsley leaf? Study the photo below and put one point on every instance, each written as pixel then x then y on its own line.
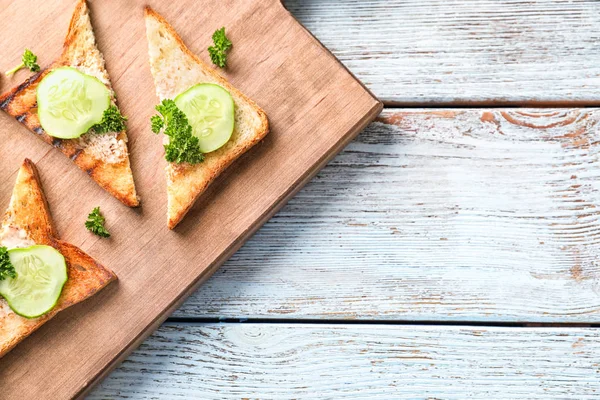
pixel 183 146
pixel 95 223
pixel 6 267
pixel 29 60
pixel 217 52
pixel 112 121
pixel 157 123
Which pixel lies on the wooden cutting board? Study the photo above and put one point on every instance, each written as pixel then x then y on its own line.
pixel 315 107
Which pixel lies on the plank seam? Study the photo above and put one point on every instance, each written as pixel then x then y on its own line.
pixel 500 324
pixel 387 104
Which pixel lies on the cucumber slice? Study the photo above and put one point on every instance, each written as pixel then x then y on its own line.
pixel 210 111
pixel 70 102
pixel 41 275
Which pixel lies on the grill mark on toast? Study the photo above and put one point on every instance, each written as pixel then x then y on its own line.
pixel 21 118
pixel 10 96
pixel 39 130
pixel 5 102
pixel 56 142
pixel 74 156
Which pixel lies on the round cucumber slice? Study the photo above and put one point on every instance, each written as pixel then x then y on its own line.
pixel 210 111
pixel 70 102
pixel 41 275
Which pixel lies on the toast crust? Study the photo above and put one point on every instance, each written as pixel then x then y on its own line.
pixel 186 182
pixel 28 211
pixel 21 103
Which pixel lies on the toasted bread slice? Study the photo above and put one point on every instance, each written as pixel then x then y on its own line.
pixel 28 218
pixel 104 157
pixel 175 69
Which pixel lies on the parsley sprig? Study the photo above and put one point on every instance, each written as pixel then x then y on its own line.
pixel 7 270
pixel 29 60
pixel 217 52
pixel 95 223
pixel 112 121
pixel 183 146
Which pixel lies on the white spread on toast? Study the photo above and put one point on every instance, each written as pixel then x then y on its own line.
pixel 90 66
pixel 106 146
pixel 13 238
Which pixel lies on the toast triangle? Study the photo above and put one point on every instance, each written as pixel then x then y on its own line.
pixel 28 214
pixel 104 157
pixel 175 69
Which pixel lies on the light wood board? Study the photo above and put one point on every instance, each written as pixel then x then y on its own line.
pixel 303 361
pixel 452 52
pixel 314 105
pixel 451 215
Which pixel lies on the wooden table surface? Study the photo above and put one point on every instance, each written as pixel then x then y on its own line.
pixel 453 249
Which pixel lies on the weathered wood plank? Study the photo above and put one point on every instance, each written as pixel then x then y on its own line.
pixel 280 361
pixel 433 215
pixel 464 51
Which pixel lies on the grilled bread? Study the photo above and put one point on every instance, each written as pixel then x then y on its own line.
pixel 104 157
pixel 28 218
pixel 175 69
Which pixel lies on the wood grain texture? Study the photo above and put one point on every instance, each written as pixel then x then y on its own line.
pixel 414 52
pixel 280 361
pixel 314 105
pixel 454 215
